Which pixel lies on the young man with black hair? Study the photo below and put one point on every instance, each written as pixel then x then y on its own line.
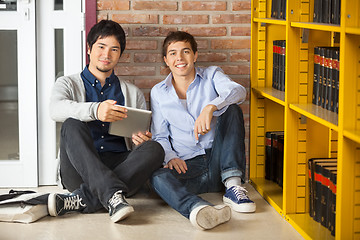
pixel 201 128
pixel 100 169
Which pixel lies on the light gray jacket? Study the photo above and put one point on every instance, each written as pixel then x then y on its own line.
pixel 68 100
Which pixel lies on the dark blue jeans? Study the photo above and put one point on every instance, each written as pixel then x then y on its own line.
pixel 208 172
pixel 96 177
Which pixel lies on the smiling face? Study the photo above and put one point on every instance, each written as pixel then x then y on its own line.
pixel 104 55
pixel 180 58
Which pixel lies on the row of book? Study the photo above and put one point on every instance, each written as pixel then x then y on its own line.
pixel 274 156
pixel 278 9
pixel 327 11
pixel 322 184
pixel 326 78
pixel 278 78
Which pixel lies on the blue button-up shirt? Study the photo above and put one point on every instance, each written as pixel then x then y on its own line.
pixel 104 142
pixel 173 123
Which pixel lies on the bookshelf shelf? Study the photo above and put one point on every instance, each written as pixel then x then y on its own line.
pixel 326 27
pixel 310 131
pixel 353 135
pixel 272 94
pixel 318 114
pixel 270 21
pixel 352 30
pixel 309 228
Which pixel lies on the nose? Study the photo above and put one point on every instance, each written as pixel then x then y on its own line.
pixel 179 56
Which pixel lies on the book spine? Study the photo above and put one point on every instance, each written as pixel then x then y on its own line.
pixel 325 184
pixel 315 97
pixel 311 187
pixel 316 10
pixel 274 154
pixel 282 50
pixel 337 67
pixel 317 191
pixel 325 78
pixel 330 82
pixel 321 74
pixel 274 64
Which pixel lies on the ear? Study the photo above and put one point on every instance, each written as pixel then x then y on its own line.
pixel 195 56
pixel 165 60
pixel 88 49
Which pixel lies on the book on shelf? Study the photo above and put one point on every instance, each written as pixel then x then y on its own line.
pixel 278 9
pixel 326 77
pixel 332 201
pixel 274 156
pixel 279 56
pixel 327 11
pixel 322 185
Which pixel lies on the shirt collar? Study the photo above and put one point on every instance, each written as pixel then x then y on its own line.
pixel 92 79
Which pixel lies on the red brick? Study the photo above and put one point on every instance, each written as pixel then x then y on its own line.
pixel 203 6
pixel 212 57
pixel 241 5
pixel 185 19
pixel 231 18
pixel 148 57
pixel 146 83
pixel 206 31
pixel 152 31
pixel 240 56
pixel 125 58
pixel 240 31
pixel 112 5
pixel 101 16
pixel 155 5
pixel 121 70
pixel 243 80
pixel 240 69
pixel 141 45
pixel 230 44
pixel 136 18
pixel 202 44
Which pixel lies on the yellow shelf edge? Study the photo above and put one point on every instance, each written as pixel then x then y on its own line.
pixel 353 135
pixel 317 26
pixel 307 227
pixel 260 186
pixel 270 21
pixel 271 94
pixel 352 30
pixel 318 114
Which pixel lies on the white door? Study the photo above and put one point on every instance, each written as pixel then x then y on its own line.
pixel 61 51
pixel 18 138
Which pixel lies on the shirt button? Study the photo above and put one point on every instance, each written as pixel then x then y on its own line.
pixel 101 93
pixel 102 147
pixel 93 85
pixel 103 125
pixel 102 136
pixel 109 84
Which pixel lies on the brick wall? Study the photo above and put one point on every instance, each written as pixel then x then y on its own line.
pixel 221 28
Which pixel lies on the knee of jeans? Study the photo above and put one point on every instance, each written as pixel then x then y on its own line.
pixel 159 176
pixel 70 125
pixel 158 149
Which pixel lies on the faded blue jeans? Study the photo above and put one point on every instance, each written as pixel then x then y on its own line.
pixel 208 172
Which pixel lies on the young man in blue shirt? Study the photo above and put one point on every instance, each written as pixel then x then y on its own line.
pixel 98 168
pixel 201 128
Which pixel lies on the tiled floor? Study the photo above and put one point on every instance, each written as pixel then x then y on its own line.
pixel 153 219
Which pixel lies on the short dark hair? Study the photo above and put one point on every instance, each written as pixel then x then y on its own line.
pixel 179 36
pixel 106 28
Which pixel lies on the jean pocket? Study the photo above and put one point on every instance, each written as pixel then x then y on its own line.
pixel 196 167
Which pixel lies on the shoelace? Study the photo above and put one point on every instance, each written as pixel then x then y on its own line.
pixel 240 193
pixel 73 203
pixel 116 199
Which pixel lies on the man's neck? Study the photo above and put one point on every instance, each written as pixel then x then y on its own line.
pixel 101 76
pixel 181 84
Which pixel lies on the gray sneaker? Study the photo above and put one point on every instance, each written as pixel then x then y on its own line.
pixel 118 207
pixel 59 204
pixel 207 217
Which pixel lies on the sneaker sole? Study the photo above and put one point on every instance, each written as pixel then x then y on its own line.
pixel 209 217
pixel 241 208
pixel 52 204
pixel 122 214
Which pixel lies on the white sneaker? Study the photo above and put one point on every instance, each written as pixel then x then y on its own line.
pixel 207 217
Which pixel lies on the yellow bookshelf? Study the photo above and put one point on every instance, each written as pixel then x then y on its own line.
pixel 310 131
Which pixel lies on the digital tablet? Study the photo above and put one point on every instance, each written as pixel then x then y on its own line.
pixel 138 120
